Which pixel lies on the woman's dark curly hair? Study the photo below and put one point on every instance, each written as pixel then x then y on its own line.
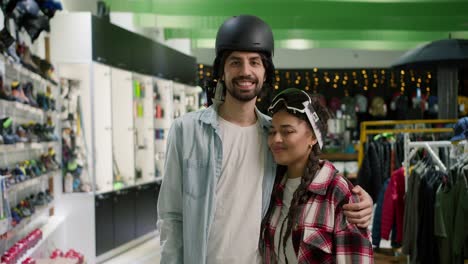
pixel 301 195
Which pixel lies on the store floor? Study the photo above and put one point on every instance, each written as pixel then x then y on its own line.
pixel 146 253
pixel 149 253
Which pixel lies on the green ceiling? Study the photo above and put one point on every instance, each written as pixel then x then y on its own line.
pixel 303 24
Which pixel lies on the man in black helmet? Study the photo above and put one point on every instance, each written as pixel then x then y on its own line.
pixel 219 173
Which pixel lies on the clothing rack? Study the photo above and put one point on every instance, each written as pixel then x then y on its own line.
pixel 410 149
pixel 365 131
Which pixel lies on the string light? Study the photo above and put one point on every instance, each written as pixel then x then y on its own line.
pixel 341 80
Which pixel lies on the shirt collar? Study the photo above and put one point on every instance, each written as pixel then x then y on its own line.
pixel 321 181
pixel 323 178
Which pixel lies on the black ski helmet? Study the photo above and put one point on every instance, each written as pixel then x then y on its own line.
pixel 245 33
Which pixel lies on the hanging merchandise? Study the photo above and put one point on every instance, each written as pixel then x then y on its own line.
pixel 349 103
pixel 462 105
pixel 74 150
pixel 31 15
pixel 433 106
pixel 376 168
pixel 5 213
pixel 421 224
pixel 378 107
pixel 361 103
pixel 393 206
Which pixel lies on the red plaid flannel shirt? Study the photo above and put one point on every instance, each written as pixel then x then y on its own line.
pixel 322 234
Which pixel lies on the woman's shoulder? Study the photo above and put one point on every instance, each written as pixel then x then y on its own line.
pixel 339 187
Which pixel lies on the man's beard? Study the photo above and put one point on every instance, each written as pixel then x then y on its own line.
pixel 244 96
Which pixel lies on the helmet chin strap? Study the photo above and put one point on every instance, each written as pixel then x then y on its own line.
pixel 219 92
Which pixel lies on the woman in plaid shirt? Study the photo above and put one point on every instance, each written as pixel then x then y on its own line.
pixel 305 222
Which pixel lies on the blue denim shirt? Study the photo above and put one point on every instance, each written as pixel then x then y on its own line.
pixel 186 202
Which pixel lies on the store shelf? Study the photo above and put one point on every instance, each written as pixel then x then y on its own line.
pixel 47 230
pixel 22 226
pixel 146 181
pixel 130 186
pixel 162 123
pixel 339 156
pixel 22 72
pixel 28 146
pixel 31 182
pixel 24 113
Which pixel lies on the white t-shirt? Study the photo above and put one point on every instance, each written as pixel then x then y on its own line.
pixel 289 189
pixel 235 231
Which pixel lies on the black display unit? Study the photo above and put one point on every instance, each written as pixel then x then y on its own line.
pixel 120 48
pixel 125 215
pixel 104 223
pixel 146 208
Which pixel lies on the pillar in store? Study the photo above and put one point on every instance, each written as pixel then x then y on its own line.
pixel 447 91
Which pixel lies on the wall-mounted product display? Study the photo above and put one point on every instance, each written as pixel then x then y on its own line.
pixel 128 103
pixel 123 130
pixel 163 117
pixel 30 156
pixel 144 127
pixel 193 98
pixel 74 150
pixel 180 106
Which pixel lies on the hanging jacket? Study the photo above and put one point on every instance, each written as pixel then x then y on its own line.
pixel 394 205
pixel 411 214
pixel 427 247
pixel 377 221
pixel 370 173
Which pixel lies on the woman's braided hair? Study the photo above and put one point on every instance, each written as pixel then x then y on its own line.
pixel 301 195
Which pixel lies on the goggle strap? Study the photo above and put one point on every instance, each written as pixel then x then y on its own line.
pixel 286 105
pixel 313 119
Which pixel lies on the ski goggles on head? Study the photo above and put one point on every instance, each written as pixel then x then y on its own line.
pixel 296 100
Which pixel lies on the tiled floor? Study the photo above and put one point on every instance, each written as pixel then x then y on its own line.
pixel 146 253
